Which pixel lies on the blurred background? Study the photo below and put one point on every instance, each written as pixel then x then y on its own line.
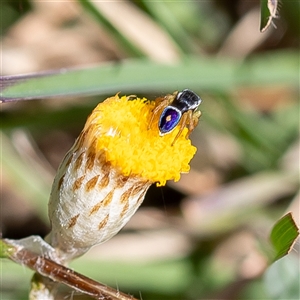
pixel 204 237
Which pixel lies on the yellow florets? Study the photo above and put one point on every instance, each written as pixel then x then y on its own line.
pixel 122 133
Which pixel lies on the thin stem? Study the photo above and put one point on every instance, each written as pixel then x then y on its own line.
pixel 62 274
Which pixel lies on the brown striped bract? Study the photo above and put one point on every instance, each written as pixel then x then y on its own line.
pixel 103 222
pixel 91 183
pixel 78 183
pixel 91 202
pixel 73 221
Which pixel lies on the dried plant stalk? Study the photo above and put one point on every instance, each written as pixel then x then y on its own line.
pixel 59 273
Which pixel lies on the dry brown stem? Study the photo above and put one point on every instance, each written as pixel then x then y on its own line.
pixel 61 274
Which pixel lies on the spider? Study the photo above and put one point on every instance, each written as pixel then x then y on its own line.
pixel 179 107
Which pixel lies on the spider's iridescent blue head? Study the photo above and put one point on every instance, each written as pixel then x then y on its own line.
pixel 183 102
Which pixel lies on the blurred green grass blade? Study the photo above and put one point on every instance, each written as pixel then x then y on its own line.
pixel 283 235
pixel 279 67
pixel 268 11
pixel 249 125
pixel 134 76
pixel 287 119
pixel 24 178
pixel 281 279
pixel 161 12
pixel 15 280
pixel 124 43
pixel 257 136
pixel 5 249
pixel 69 117
pixel 165 277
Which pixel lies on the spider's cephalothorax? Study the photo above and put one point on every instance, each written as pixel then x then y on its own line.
pixel 179 107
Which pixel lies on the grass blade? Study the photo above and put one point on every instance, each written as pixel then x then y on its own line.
pixel 134 76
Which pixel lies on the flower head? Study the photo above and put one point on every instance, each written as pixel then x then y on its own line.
pixel 121 128
pixel 104 177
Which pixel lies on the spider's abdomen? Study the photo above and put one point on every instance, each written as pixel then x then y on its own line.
pixel 169 119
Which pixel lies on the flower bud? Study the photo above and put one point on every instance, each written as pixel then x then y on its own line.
pixel 104 177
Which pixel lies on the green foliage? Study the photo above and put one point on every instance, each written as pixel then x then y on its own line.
pixel 284 235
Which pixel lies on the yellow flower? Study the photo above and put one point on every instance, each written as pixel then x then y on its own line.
pixel 104 177
pixel 121 127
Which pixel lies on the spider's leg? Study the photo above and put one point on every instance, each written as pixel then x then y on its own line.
pixel 193 121
pixel 162 102
pixel 182 125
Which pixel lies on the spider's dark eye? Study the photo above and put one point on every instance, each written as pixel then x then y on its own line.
pixel 169 119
